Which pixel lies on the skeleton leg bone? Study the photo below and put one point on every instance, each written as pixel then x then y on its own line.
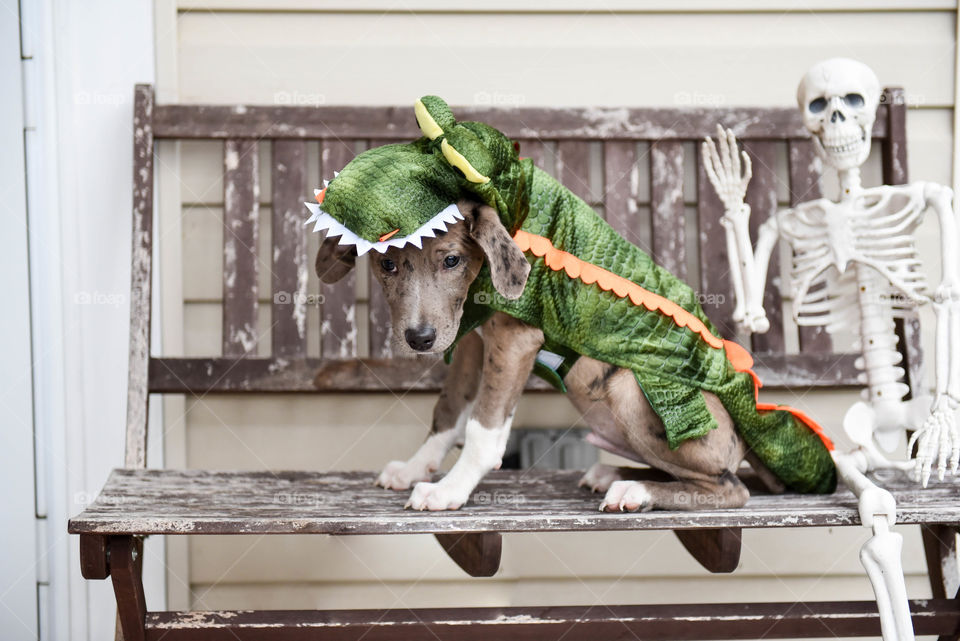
pixel 880 555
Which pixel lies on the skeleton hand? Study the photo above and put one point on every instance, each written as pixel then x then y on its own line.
pixel 724 171
pixel 938 438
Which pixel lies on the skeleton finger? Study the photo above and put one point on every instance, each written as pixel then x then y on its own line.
pixel 943 447
pixel 734 155
pixel 747 171
pixel 928 444
pixel 954 447
pixel 724 148
pixel 709 153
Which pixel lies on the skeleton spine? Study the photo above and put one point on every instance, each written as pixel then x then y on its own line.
pixel 878 339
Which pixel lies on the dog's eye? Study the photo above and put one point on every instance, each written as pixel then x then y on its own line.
pixel 451 261
pixel 388 265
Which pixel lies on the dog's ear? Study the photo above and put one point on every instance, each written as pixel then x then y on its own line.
pixel 334 261
pixel 508 266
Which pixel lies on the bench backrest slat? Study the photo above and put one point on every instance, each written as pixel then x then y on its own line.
pixel 762 198
pixel 805 168
pixel 637 147
pixel 338 337
pixel 141 270
pixel 713 251
pixel 621 180
pixel 241 231
pixel 668 234
pixel 288 263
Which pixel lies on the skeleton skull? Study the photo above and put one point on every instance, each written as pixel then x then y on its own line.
pixel 839 99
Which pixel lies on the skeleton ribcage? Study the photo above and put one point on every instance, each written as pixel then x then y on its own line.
pixel 874 229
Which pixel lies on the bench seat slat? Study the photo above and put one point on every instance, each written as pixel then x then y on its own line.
pixel 208 502
pixel 571 623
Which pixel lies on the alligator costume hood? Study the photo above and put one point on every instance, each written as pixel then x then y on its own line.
pixel 591 292
pixel 394 195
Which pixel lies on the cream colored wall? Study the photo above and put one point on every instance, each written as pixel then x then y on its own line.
pixel 250 52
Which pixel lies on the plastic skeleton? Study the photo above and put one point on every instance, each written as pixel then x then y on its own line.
pixel 855 261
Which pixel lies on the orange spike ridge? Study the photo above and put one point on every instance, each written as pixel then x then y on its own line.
pixel 802 417
pixel 320 196
pixel 589 273
pixel 389 236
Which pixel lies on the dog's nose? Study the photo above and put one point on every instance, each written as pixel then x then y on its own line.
pixel 421 338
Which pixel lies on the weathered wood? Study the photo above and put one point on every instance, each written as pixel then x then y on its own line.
pixel 621 179
pixel 141 269
pixel 762 198
pixel 805 170
pixel 714 266
pixel 666 207
pixel 535 150
pixel 894 148
pixel 338 328
pixel 910 339
pixel 241 223
pixel 477 553
pixel 180 502
pixel 570 623
pixel 289 267
pixel 717 550
pixel 126 565
pixel 397 123
pixel 940 548
pixel 94 559
pixel 573 167
pixel 229 375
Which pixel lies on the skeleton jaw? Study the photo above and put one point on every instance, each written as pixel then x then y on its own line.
pixel 845 149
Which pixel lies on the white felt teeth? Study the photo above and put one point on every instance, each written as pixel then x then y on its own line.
pixel 448 216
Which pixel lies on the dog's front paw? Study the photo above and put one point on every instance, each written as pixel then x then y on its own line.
pixel 436 496
pixel 600 477
pixel 400 475
pixel 629 496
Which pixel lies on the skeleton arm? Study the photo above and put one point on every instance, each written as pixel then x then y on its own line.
pixel 723 168
pixel 938 438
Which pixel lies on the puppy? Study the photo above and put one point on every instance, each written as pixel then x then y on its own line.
pixel 426 291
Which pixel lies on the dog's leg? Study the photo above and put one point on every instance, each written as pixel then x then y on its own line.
pixel 450 416
pixel 641 496
pixel 510 348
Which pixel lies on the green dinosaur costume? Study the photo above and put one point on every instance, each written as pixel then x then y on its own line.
pixel 589 290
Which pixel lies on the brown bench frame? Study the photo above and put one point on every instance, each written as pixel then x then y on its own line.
pixel 109 549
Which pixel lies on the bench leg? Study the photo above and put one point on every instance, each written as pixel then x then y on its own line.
pixel 478 553
pixel 940 546
pixel 126 569
pixel 717 549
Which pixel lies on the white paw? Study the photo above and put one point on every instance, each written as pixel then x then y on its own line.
pixel 600 477
pixel 400 475
pixel 629 496
pixel 436 496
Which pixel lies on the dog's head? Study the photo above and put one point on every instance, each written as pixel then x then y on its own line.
pixel 426 288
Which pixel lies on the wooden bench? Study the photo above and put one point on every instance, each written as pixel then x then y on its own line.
pixel 576 145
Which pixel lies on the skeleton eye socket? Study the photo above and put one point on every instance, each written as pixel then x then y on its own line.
pixel 818 105
pixel 853 100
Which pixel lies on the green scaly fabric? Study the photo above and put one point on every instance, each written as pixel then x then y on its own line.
pixel 672 364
